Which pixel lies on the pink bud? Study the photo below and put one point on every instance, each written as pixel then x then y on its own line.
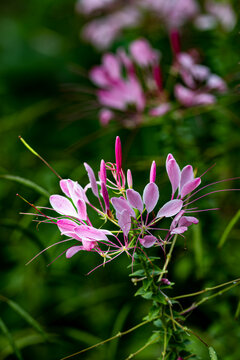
pixel 175 41
pixel 105 196
pixel 118 154
pixel 103 172
pixel 157 75
pixel 165 281
pixel 153 172
pixel 129 179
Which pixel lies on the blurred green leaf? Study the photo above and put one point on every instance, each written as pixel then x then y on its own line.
pixel 229 227
pixel 12 343
pixel 25 315
pixel 27 183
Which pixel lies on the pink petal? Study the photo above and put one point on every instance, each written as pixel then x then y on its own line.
pixel 148 241
pixel 105 115
pixel 204 99
pixel 66 226
pixel 176 220
pixel 135 200
pixel 215 82
pixel 186 176
pixel 82 209
pixel 173 172
pixel 160 110
pixel 190 186
pixel 188 220
pixel 150 196
pixel 105 195
pixel 171 208
pixel 99 76
pixel 179 230
pixel 185 96
pixel 103 172
pixel 90 232
pixel 73 250
pixel 64 186
pixel 62 205
pixel 124 221
pixel 112 66
pixel 88 245
pixel 121 204
pixel 92 179
pixel 142 53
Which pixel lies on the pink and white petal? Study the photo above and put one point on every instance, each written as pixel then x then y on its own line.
pixel 82 209
pixel 186 176
pixel 124 221
pixel 92 179
pixel 112 66
pixel 105 116
pixel 176 220
pixel 88 245
pixel 66 226
pixel 179 230
pixel 135 200
pixel 204 99
pixel 174 173
pixel 188 220
pixel 150 196
pixel 160 110
pixel 171 208
pixel 148 241
pixel 121 204
pixel 190 186
pixel 90 232
pixel 99 76
pixel 64 186
pixel 72 251
pixel 62 205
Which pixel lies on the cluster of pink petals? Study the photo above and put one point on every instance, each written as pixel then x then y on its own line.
pixel 134 217
pixel 117 15
pixel 199 82
pixel 122 90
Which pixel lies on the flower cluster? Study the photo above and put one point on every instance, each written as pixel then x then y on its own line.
pixel 199 80
pixel 127 83
pixel 134 217
pixel 130 85
pixel 116 15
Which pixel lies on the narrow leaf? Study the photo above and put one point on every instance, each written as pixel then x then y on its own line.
pixel 229 227
pixel 6 332
pixel 27 183
pixel 26 316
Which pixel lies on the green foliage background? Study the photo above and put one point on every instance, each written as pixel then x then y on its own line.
pixel 51 312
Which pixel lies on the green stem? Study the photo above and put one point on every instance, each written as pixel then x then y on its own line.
pixel 169 255
pixel 118 335
pixel 206 289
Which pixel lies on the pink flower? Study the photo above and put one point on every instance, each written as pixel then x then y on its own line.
pixel 143 54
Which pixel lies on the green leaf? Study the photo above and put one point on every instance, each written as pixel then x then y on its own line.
pixel 6 332
pixel 27 183
pixel 229 227
pixel 137 273
pixel 212 353
pixel 26 316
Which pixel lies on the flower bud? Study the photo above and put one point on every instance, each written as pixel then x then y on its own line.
pixel 103 172
pixel 153 172
pixel 118 154
pixel 129 179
